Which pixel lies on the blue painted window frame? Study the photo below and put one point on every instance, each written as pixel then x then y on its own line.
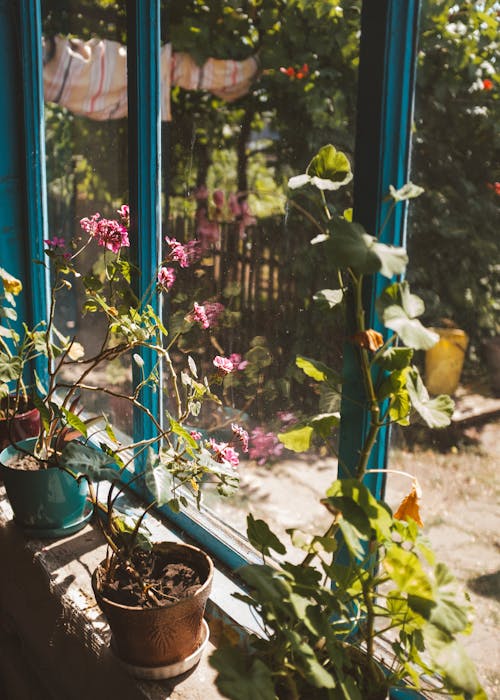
pixel 389 30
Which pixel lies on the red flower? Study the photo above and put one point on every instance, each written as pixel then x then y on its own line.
pixel 487 84
pixel 495 186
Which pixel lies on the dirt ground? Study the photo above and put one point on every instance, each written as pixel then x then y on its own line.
pixel 460 509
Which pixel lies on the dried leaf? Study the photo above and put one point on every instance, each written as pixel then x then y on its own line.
pixel 409 506
pixel 370 339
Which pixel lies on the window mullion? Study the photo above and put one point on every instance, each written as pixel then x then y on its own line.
pixel 35 178
pixel 143 64
pixel 389 31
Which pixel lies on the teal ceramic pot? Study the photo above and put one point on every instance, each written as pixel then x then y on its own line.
pixel 46 502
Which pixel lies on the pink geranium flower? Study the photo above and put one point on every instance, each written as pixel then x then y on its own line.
pixel 185 254
pixel 223 452
pixel 166 278
pixel 124 213
pixel 218 197
pixel 108 232
pixel 55 242
pixel 238 362
pixel 223 364
pixel 242 436
pixel 214 311
pixel 208 231
pixel 264 446
pixel 198 315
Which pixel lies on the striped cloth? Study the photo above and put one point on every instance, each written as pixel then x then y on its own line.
pixel 90 77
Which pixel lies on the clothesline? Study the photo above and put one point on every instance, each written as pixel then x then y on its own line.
pixel 90 77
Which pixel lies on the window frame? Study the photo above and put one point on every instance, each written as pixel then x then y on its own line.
pixel 389 31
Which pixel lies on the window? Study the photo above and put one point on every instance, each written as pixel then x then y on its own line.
pixel 75 145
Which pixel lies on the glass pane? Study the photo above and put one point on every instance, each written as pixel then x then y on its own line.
pixel 453 250
pixel 256 90
pixel 84 52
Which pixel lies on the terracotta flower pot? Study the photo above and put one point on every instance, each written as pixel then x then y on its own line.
pixel 23 425
pixel 159 637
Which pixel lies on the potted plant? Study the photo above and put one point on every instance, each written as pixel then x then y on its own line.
pixel 370 576
pixel 19 419
pixel 47 498
pixel 154 594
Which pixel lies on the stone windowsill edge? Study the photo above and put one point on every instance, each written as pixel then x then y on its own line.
pixel 64 567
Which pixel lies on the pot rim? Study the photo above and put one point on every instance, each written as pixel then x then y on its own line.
pixel 141 609
pixel 13 447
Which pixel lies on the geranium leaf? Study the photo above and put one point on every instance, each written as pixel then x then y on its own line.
pixel 317 370
pixel 435 412
pixel 394 358
pixel 298 439
pixel 398 310
pixel 332 297
pixel 241 677
pixel 408 191
pixel 262 538
pixel 452 662
pixel 330 164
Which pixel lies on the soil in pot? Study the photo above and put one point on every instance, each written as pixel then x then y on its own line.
pixel 167 582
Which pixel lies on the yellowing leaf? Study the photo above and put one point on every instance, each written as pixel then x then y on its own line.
pixel 409 506
pixel 194 484
pixel 11 284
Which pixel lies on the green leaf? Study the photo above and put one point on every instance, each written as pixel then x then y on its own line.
pixel 449 614
pixel 360 507
pixel 452 662
pixel 262 538
pixel 353 538
pixel 330 164
pixel 157 477
pixel 407 573
pixel 84 459
pixel 306 660
pixel 110 433
pixel 400 407
pixel 324 423
pixel 42 409
pixel 74 421
pixel 393 259
pixel 349 247
pixel 10 367
pixel 240 676
pixel 437 412
pixel 270 586
pixel 317 370
pixel 297 439
pixel 408 191
pixel 333 297
pixel 394 358
pixel 398 309
pixel 394 386
pixel 181 432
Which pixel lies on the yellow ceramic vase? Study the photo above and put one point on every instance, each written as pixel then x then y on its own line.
pixel 444 361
